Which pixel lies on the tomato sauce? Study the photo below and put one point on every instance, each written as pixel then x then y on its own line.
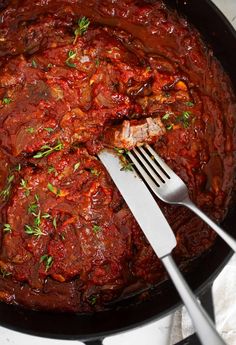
pixel 71 72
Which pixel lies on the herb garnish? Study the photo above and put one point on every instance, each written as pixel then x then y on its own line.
pixel 189 104
pixel 7 228
pixel 33 230
pixel 54 222
pixel 97 62
pixel 34 64
pixel 46 216
pixel 33 209
pixel 48 260
pixel 166 116
pixel 127 167
pixel 53 189
pixel 83 24
pixel 51 169
pixel 76 166
pixel 49 129
pixel 5 273
pixel 47 150
pixel 6 191
pixel 18 167
pixel 184 118
pixel 123 154
pixel 169 127
pixel 6 100
pixel 95 172
pixel 23 185
pixel 96 228
pixel 71 56
pixel 92 300
pixel 30 130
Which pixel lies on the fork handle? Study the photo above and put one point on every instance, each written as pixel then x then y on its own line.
pixel 203 325
pixel 226 237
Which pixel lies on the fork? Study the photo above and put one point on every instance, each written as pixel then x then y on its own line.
pixel 168 186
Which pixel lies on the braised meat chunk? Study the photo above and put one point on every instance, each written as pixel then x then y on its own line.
pixel 133 133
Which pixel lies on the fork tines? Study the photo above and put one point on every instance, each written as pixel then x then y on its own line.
pixel 149 165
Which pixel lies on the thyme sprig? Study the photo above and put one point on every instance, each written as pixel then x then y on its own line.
pixel 7 228
pixel 123 154
pixel 71 56
pixel 46 150
pixel 48 260
pixel 83 24
pixel 6 191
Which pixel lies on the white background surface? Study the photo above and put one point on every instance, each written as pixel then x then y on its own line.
pixel 158 333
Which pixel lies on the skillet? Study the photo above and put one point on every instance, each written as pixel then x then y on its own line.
pixel 219 34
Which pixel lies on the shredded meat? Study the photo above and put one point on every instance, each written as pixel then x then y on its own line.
pixel 133 133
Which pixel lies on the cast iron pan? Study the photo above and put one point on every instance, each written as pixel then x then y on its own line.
pixel 219 34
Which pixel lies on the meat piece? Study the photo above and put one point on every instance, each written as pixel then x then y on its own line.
pixel 135 132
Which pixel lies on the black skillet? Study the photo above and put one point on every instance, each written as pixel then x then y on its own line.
pixel 220 35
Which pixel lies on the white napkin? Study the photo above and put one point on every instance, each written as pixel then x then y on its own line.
pixel 224 297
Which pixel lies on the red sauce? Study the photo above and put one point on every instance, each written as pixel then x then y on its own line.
pixel 68 240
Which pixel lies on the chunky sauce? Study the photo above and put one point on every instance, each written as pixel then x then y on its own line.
pixel 71 72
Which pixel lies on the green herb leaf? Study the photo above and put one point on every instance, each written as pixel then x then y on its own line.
pixel 30 130
pixel 96 228
pixel 7 228
pixel 184 118
pixel 189 104
pixel 10 178
pixel 51 169
pixel 119 150
pixel 6 191
pixel 95 172
pixel 127 167
pixel 123 154
pixel 53 189
pixel 70 64
pixel 71 56
pixel 62 235
pixel 47 150
pixel 92 300
pixel 50 187
pixel 37 219
pixel 23 185
pixel 166 116
pixel 6 100
pixel 46 216
pixel 5 273
pixel 35 231
pixel 32 208
pixel 169 127
pixel 49 129
pixel 34 64
pixel 83 24
pixel 76 166
pixel 18 167
pixel 48 260
pixel 54 222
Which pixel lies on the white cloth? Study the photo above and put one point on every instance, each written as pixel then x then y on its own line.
pixel 224 297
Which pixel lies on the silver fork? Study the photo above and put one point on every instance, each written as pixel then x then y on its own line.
pixel 169 187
